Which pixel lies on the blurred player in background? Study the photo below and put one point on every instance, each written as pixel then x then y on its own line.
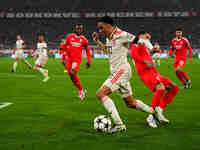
pixel 117 43
pixel 156 54
pixel 19 54
pixel 75 43
pixel 164 90
pixel 64 53
pixel 42 57
pixel 179 45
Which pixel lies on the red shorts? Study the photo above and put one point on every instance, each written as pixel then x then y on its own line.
pixel 64 57
pixel 73 63
pixel 179 63
pixel 151 78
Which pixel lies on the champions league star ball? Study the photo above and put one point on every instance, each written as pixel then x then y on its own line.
pixel 102 123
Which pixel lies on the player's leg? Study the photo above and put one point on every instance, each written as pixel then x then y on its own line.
pixel 26 62
pixel 15 64
pixel 159 94
pixel 125 91
pixel 179 65
pixel 40 62
pixel 158 59
pixel 72 68
pixel 109 86
pixel 154 59
pixel 44 61
pixel 183 74
pixel 16 59
pixel 151 79
pixel 103 95
pixel 171 91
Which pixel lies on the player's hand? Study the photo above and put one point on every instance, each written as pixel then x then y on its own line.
pixel 88 64
pixel 72 71
pixel 167 57
pixel 95 36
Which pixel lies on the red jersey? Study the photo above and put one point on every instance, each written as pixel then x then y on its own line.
pixel 140 54
pixel 180 47
pixel 75 45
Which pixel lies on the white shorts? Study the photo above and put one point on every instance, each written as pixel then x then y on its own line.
pixel 19 54
pixel 156 56
pixel 41 60
pixel 120 81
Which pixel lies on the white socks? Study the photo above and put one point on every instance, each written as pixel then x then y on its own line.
pixel 110 107
pixel 15 65
pixel 27 63
pixel 159 62
pixel 42 71
pixel 143 107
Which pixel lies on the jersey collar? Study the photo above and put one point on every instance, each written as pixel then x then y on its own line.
pixel 113 32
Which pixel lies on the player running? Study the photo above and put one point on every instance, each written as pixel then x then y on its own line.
pixel 164 90
pixel 180 45
pixel 75 43
pixel 117 43
pixel 156 54
pixel 19 54
pixel 42 58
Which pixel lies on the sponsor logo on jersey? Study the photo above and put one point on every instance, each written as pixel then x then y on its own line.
pixel 76 44
pixel 178 46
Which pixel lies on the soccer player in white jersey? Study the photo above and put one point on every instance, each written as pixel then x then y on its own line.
pixel 19 54
pixel 117 43
pixel 156 54
pixel 42 58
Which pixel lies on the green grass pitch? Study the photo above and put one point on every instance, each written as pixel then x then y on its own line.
pixel 50 116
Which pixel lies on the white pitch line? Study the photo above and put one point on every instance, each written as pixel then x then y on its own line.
pixel 4 75
pixel 5 104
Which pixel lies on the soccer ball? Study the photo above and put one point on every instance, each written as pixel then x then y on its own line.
pixel 102 123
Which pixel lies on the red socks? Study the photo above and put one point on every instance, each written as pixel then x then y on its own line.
pixel 158 95
pixel 169 96
pixel 184 75
pixel 180 77
pixel 75 79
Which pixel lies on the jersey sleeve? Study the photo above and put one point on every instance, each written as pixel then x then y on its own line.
pixel 127 37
